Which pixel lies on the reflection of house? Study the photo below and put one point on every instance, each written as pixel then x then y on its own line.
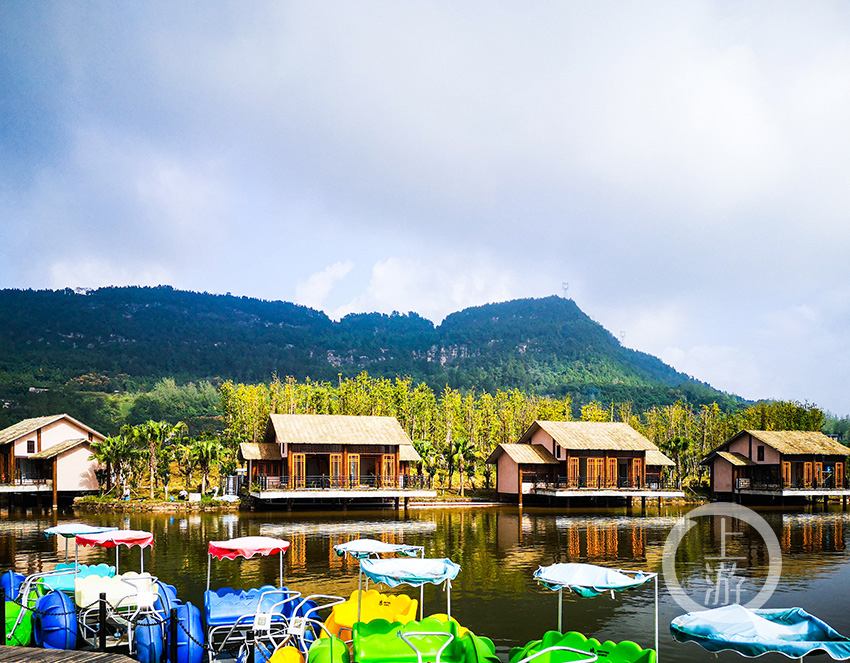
pixel 48 454
pixel 778 464
pixel 324 456
pixel 581 459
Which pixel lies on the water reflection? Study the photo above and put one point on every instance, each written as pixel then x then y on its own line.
pixel 498 550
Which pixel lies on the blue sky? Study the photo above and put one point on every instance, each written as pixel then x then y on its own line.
pixel 681 165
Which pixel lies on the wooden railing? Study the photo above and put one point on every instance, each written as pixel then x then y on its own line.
pixel 546 482
pixel 325 482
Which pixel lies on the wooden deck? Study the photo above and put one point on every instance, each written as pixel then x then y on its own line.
pixel 27 654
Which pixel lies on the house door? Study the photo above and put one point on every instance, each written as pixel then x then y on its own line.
pixel 299 470
pixel 807 475
pixel 612 472
pixel 786 474
pixel 818 475
pixel 353 470
pixel 595 470
pixel 572 473
pixel 637 472
pixel 388 479
pixel 839 473
pixel 336 471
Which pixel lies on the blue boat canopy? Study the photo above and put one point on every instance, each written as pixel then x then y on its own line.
pixel 789 631
pixel 415 572
pixel 365 548
pixel 588 579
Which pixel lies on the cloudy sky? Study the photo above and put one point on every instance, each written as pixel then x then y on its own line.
pixel 683 166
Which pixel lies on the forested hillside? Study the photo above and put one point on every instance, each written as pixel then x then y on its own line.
pixel 103 353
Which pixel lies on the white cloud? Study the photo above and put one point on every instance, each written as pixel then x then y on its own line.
pixel 682 165
pixel 318 286
pixel 434 288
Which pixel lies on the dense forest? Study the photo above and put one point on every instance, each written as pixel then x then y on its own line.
pixel 117 356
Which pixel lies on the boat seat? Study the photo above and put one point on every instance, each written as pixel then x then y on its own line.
pixel 227 606
pixel 375 605
pixel 65 581
pixel 128 590
pixel 381 640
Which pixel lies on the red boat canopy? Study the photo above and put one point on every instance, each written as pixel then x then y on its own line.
pixel 247 546
pixel 118 537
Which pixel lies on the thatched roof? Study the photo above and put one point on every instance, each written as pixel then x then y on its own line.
pixel 523 454
pixel 335 429
pixel 56 449
pixel 798 442
pixel 655 457
pixel 27 426
pixel 738 460
pixel 591 435
pixel 407 453
pixel 259 451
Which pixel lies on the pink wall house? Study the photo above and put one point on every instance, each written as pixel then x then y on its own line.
pixel 52 451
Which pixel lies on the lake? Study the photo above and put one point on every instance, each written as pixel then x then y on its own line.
pixel 498 549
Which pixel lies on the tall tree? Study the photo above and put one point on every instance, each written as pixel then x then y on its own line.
pixel 153 436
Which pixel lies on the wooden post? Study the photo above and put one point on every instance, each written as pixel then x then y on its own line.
pixel 101 626
pixel 172 635
pixel 55 482
pixel 519 483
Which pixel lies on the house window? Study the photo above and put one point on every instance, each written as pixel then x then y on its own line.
pixel 557 450
pixel 760 453
pixel 30 446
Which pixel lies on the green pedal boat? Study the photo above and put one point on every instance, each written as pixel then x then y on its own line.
pixel 574 647
pixel 433 639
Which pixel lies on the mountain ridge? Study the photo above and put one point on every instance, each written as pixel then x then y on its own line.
pixel 547 346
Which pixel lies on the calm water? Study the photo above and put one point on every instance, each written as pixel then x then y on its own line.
pixel 498 550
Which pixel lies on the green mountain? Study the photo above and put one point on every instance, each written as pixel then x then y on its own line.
pixel 125 339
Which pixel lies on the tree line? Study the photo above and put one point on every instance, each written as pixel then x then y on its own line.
pixel 455 431
pixel 149 453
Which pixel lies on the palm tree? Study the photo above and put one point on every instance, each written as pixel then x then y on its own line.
pixel 185 456
pixel 206 451
pixel 463 454
pixel 118 454
pixel 153 436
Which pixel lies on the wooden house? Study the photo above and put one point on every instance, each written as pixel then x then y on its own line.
pixel 303 453
pixel 581 458
pixel 778 464
pixel 50 454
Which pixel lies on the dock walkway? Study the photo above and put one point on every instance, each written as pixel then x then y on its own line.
pixel 35 655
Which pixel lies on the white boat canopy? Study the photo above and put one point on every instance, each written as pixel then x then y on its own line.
pixel 71 530
pixel 789 631
pixel 365 548
pixel 414 572
pixel 588 580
